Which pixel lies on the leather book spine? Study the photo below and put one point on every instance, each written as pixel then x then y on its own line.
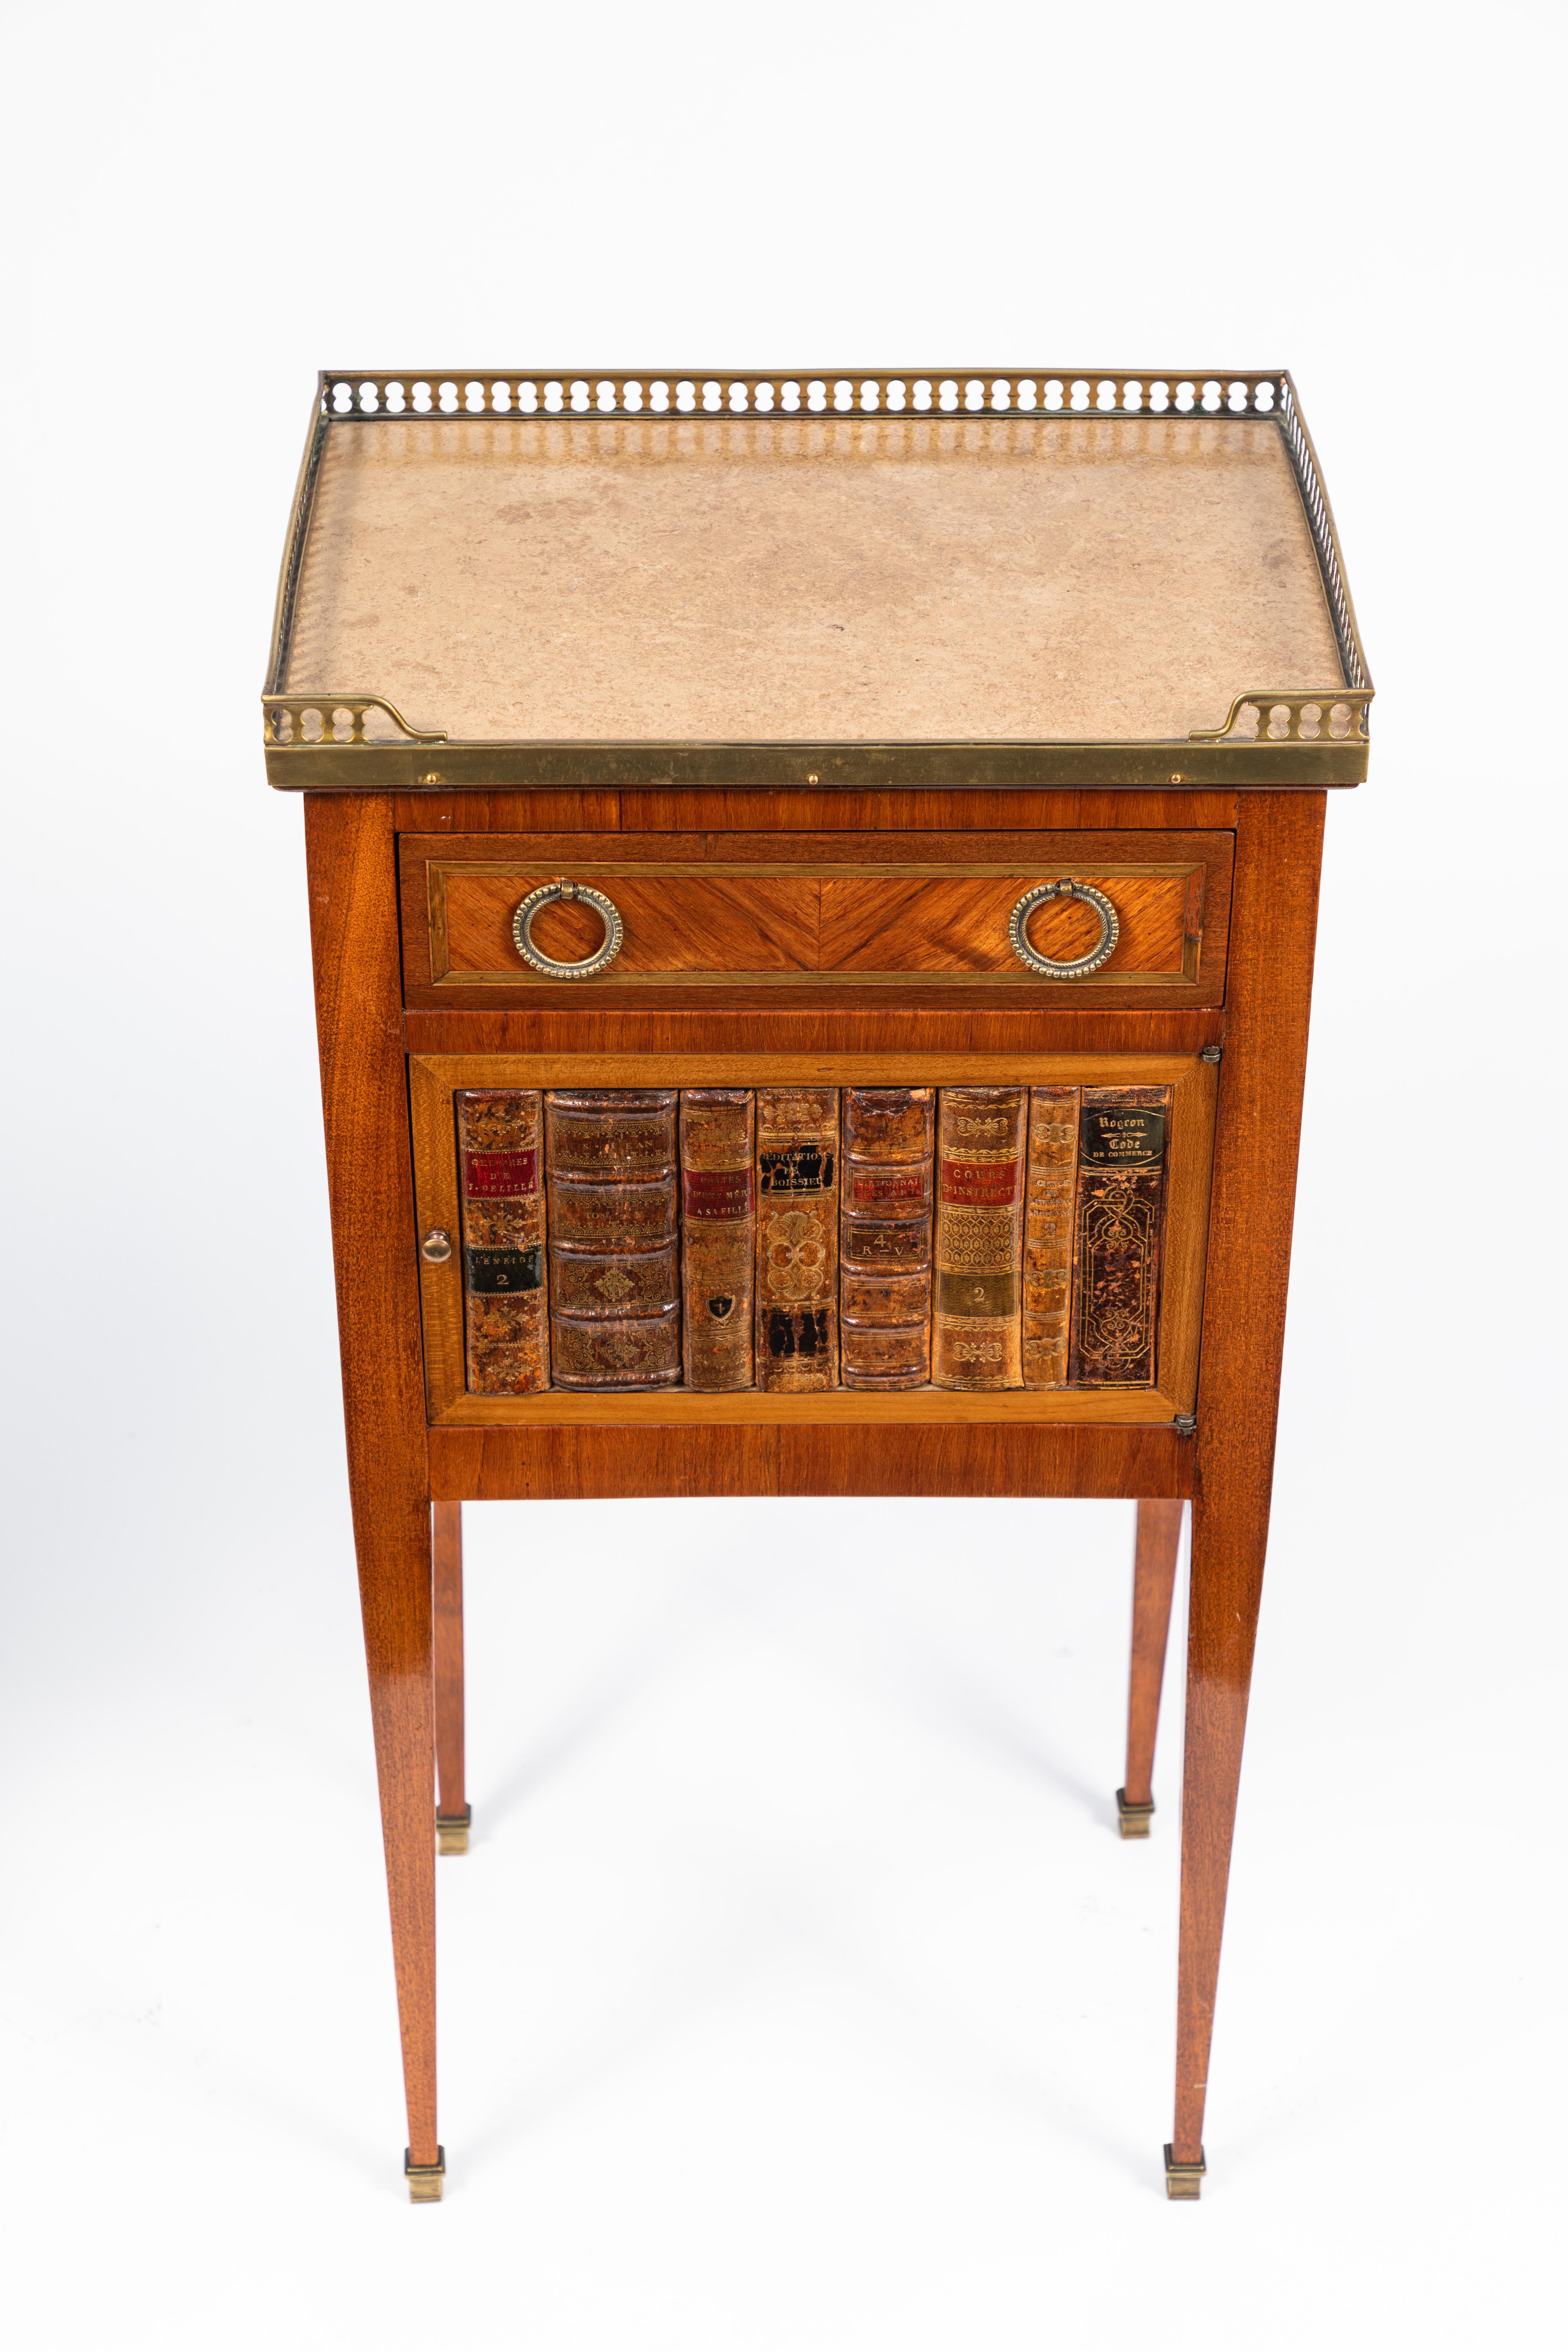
pixel 1049 1198
pixel 507 1336
pixel 975 1336
pixel 885 1236
pixel 797 1238
pixel 718 1234
pixel 1118 1241
pixel 614 1277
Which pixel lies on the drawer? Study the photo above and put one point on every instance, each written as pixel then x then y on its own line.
pixel 784 917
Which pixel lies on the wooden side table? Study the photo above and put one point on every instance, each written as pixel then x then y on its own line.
pixel 812 675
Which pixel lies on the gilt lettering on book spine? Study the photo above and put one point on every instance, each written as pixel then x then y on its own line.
pixel 1048 1205
pixel 506 1334
pixel 1117 1243
pixel 797 1238
pixel 981 1134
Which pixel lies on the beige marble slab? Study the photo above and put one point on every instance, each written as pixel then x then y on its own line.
pixel 861 579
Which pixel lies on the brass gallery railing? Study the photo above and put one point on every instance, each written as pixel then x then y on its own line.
pixel 1257 716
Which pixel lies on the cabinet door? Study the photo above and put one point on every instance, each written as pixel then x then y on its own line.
pixel 1131 1251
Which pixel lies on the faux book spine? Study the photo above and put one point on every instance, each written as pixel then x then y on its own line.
pixel 506 1333
pixel 797 1238
pixel 981 1133
pixel 614 1288
pixel 1117 1243
pixel 885 1236
pixel 1048 1205
pixel 718 1239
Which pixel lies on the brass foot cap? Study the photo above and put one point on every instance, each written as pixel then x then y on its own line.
pixel 1183 2180
pixel 452 1831
pixel 1134 1819
pixel 425 2179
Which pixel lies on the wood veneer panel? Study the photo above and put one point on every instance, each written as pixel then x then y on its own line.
pixel 553 1464
pixel 568 1465
pixel 924 1408
pixel 982 1461
pixel 752 999
pixel 697 811
pixel 884 923
pixel 674 922
pixel 837 1028
pixel 556 812
pixel 1278 854
pixel 350 848
pixel 815 916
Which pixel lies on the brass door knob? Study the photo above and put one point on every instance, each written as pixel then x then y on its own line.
pixel 604 955
pixel 1074 967
pixel 437 1247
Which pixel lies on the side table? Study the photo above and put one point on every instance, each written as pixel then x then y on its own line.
pixel 814 680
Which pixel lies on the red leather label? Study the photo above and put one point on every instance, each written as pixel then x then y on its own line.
pixel 980 1183
pixel 718 1191
pixel 500 1175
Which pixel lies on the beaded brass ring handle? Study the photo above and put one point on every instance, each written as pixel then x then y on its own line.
pixel 1077 967
pixel 604 954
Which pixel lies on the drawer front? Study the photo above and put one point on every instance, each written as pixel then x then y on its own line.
pixel 816 916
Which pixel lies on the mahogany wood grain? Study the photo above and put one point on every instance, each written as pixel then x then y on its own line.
pixel 741 811
pixel 552 1464
pixel 689 922
pixel 446 1552
pixel 887 924
pixel 353 879
pixel 984 1460
pixel 1153 1581
pixel 838 1028
pixel 1278 854
pixel 755 1000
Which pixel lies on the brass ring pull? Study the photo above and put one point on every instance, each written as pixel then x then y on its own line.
pixel 1077 967
pixel 604 955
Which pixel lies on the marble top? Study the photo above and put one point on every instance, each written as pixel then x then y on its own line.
pixel 862 579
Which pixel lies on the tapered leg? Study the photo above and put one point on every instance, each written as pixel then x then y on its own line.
pixel 1153 1579
pixel 1230 1533
pixel 396 1600
pixel 1269 989
pixel 452 1815
pixel 351 849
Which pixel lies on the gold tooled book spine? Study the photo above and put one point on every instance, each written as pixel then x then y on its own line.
pixel 885 1236
pixel 975 1336
pixel 507 1334
pixel 1118 1236
pixel 614 1277
pixel 797 1238
pixel 1048 1234
pixel 717 1234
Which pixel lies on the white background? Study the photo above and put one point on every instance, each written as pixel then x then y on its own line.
pixel 797 1992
